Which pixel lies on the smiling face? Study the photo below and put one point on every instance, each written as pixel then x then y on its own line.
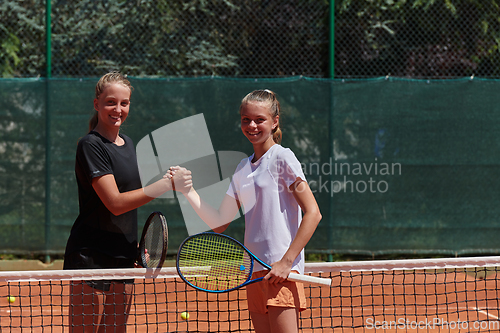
pixel 113 105
pixel 257 123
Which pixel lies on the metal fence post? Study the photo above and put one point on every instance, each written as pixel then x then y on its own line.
pixel 330 125
pixel 48 45
pixel 332 39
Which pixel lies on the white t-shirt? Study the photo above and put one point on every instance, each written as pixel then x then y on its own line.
pixel 272 215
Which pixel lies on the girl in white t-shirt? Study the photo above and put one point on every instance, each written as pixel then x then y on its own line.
pixel 281 214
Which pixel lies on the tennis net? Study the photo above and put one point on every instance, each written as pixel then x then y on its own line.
pixel 425 295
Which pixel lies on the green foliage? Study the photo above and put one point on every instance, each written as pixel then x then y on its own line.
pixel 419 38
pixel 9 49
pixel 411 38
pixel 209 57
pixel 170 38
pixel 22 36
pixel 149 38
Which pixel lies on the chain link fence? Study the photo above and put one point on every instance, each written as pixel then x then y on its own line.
pixel 252 38
pixel 167 38
pixel 417 39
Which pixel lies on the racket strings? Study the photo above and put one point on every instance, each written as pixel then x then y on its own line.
pixel 154 242
pixel 214 263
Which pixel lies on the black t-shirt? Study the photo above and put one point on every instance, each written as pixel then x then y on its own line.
pixel 96 228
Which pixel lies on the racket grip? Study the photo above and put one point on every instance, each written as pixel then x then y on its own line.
pixel 309 279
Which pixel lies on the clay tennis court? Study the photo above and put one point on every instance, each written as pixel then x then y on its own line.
pixel 399 301
pixel 157 308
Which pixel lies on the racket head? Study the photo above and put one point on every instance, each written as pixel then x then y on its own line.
pixel 214 262
pixel 154 241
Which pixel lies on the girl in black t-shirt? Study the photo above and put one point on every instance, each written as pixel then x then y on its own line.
pixel 104 234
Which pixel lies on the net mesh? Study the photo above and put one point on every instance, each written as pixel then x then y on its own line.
pixel 432 295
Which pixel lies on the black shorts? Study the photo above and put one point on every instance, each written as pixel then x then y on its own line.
pixel 91 259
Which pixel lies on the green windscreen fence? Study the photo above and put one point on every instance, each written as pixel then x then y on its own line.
pixel 397 166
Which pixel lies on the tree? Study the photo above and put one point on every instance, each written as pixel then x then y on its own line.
pixel 420 38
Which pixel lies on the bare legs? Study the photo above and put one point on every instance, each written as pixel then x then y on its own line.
pixel 96 311
pixel 277 320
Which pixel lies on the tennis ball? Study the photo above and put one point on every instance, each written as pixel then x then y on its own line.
pixel 11 299
pixel 185 315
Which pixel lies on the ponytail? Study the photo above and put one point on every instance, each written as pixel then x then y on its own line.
pixel 277 134
pixel 93 121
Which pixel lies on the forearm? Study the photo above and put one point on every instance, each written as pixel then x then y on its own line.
pixel 217 220
pixel 119 203
pixel 128 201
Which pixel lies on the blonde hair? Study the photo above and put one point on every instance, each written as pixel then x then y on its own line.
pixel 269 97
pixel 104 81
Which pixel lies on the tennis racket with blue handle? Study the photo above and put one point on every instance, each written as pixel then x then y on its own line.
pixel 218 263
